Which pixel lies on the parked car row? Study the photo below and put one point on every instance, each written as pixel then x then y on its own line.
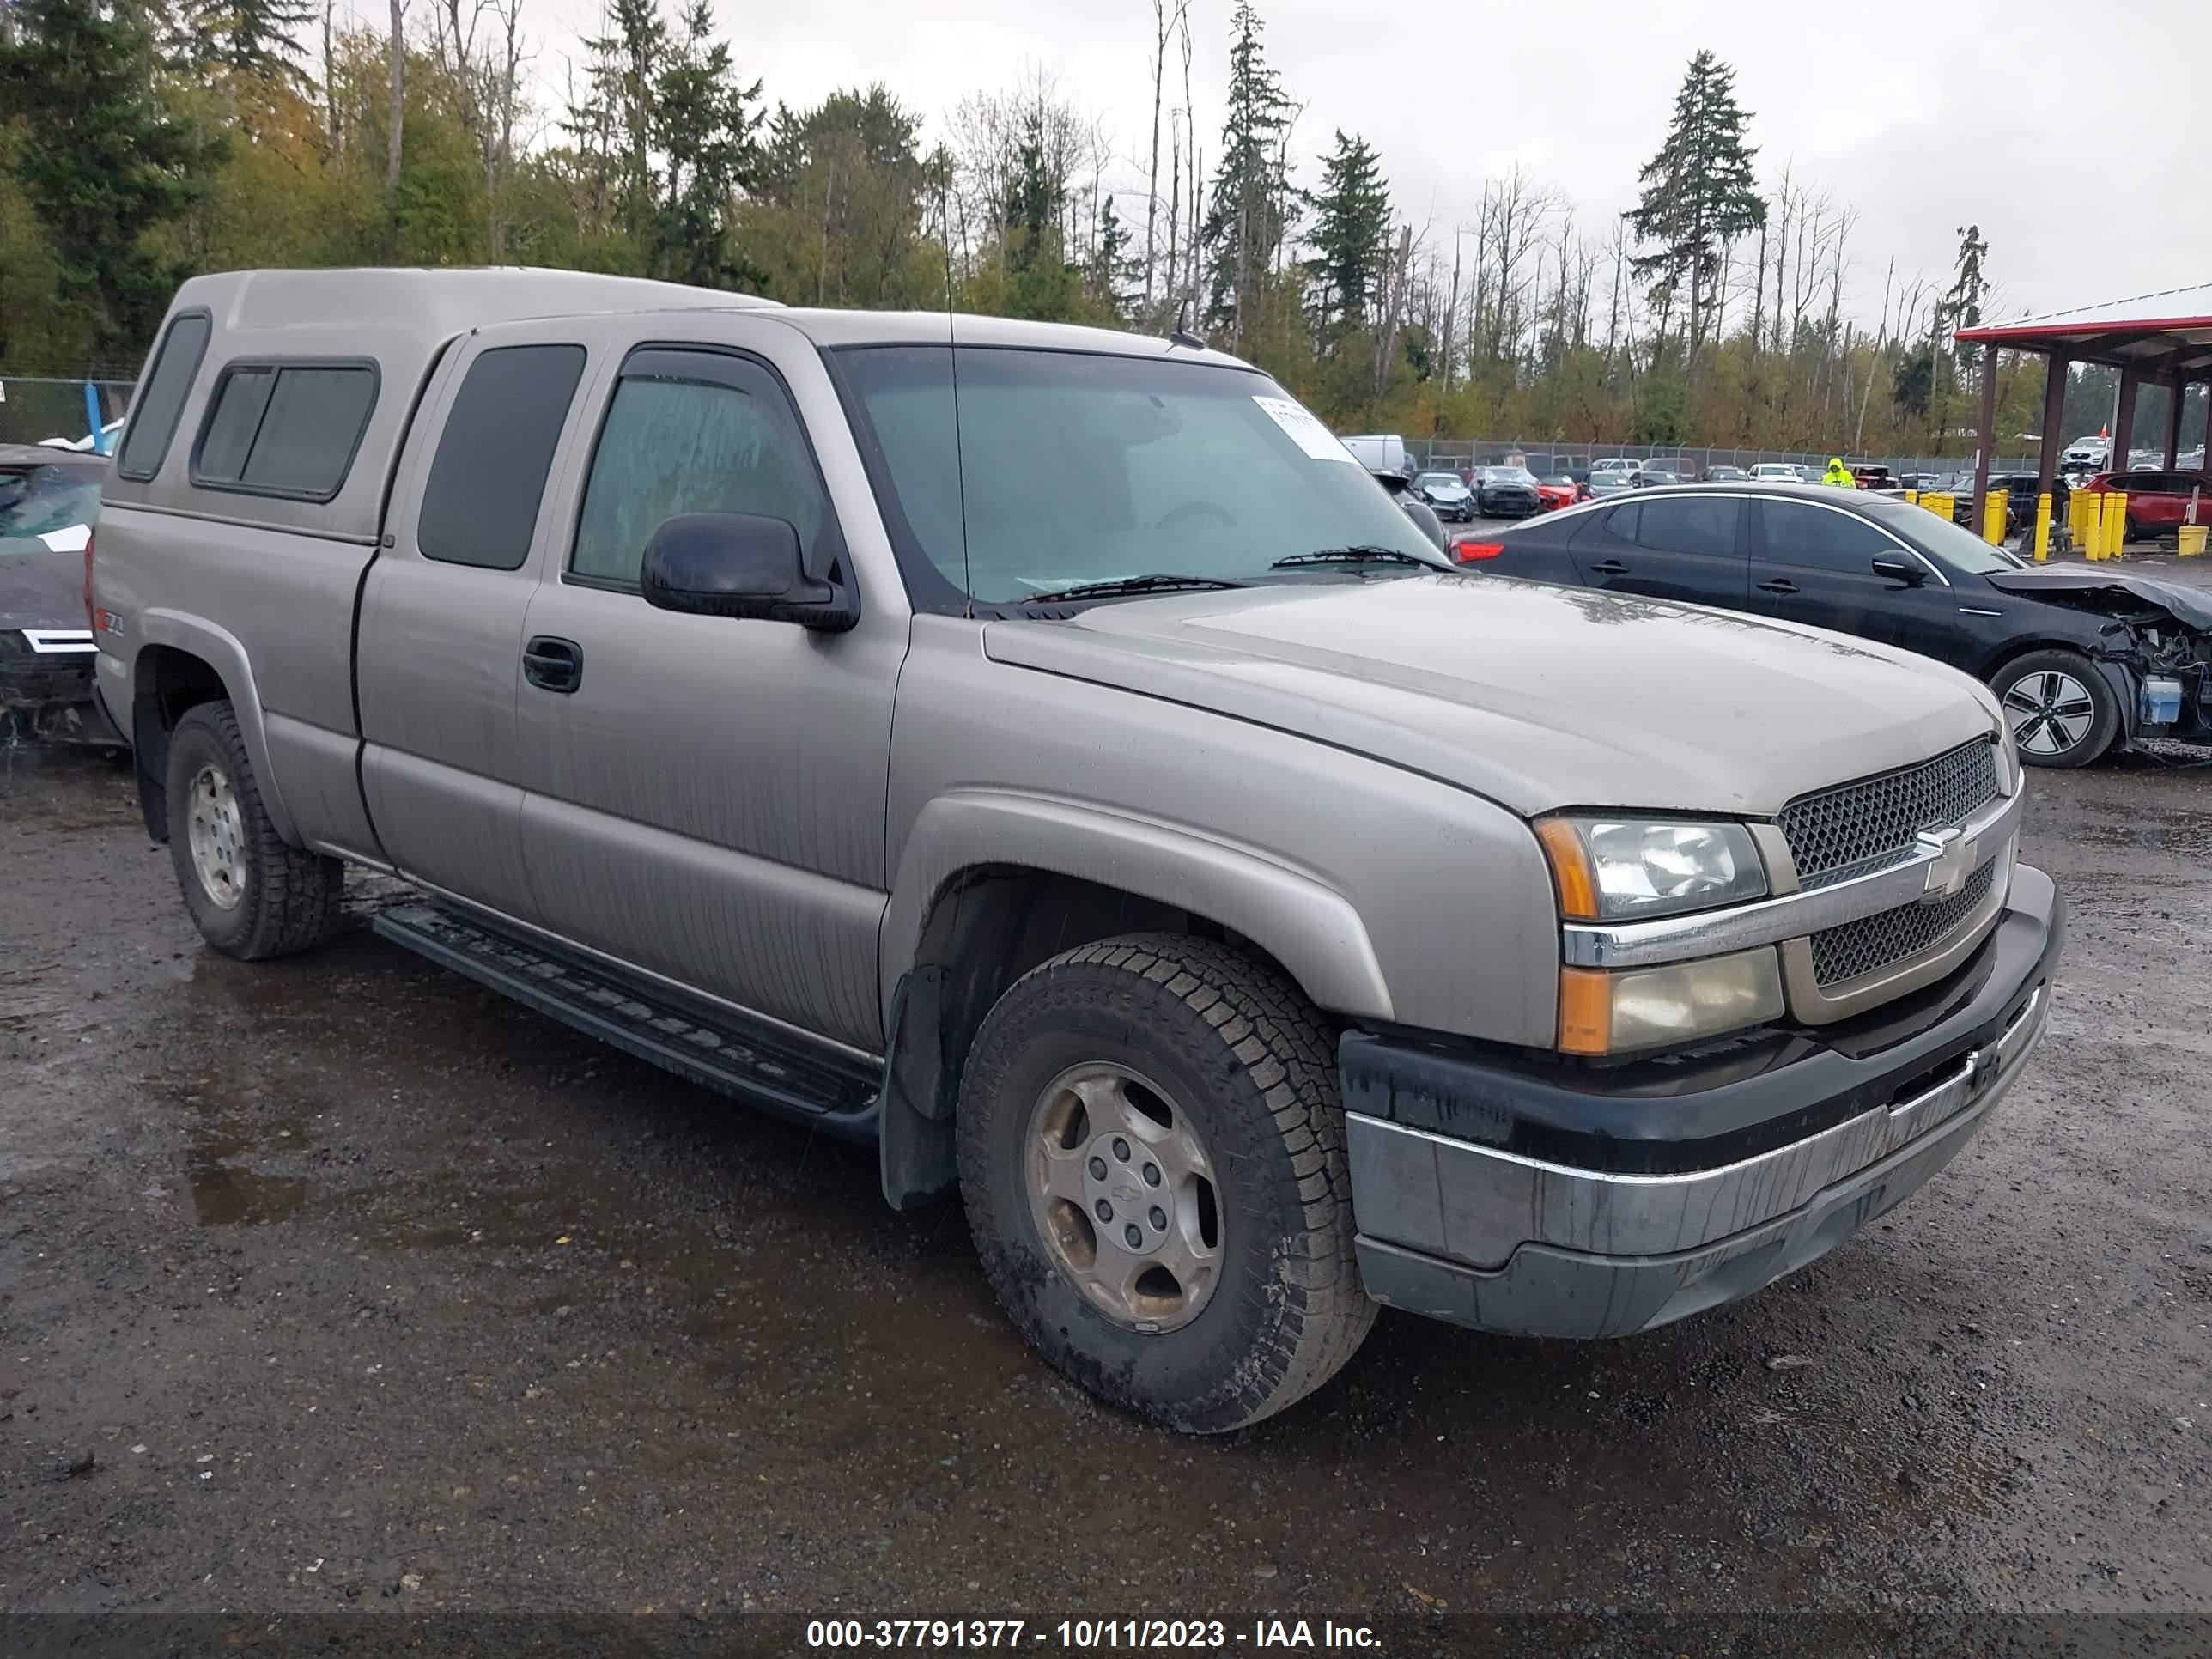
pixel 1089 788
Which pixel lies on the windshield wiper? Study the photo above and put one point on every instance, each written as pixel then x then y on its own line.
pixel 1158 582
pixel 1357 554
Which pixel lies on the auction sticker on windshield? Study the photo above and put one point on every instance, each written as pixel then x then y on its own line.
pixel 1307 432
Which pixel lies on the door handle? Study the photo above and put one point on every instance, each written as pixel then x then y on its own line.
pixel 1780 585
pixel 1610 567
pixel 553 664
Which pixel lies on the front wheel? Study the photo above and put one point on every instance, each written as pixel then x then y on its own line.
pixel 1152 1155
pixel 251 894
pixel 2062 712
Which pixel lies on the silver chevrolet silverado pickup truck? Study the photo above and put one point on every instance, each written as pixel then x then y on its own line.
pixel 1045 753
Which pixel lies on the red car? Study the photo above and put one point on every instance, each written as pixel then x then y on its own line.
pixel 2158 502
pixel 1557 489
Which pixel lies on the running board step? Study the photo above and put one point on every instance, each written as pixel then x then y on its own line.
pixel 719 1050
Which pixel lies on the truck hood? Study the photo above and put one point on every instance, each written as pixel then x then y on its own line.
pixel 1537 697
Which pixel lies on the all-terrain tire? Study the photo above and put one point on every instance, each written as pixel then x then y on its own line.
pixel 286 899
pixel 1235 1045
pixel 2063 738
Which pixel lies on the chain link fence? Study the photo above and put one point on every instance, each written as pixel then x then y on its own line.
pixel 36 407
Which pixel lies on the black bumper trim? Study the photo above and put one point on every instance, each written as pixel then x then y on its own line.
pixel 1704 1109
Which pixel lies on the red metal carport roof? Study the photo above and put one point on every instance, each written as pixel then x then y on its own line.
pixel 2164 333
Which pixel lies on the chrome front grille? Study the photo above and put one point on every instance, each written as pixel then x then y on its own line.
pixel 1838 832
pixel 1871 943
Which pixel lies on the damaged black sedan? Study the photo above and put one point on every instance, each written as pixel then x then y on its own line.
pixel 49 499
pixel 2084 661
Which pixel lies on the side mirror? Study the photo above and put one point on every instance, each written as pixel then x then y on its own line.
pixel 1894 568
pixel 736 564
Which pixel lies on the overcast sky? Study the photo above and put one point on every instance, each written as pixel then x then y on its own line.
pixel 2083 160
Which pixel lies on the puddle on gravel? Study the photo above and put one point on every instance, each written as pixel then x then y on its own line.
pixel 227 1192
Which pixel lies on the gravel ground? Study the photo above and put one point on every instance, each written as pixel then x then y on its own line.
pixel 339 1283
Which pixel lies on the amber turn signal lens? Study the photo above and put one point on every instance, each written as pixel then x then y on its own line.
pixel 1585 1011
pixel 1571 868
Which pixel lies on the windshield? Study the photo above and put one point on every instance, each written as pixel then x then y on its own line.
pixel 1937 535
pixel 1432 480
pixel 38 501
pixel 1047 470
pixel 1507 475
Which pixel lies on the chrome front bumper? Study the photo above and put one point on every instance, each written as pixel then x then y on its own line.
pixel 1483 1237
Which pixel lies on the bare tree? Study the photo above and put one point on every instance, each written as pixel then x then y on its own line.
pixel 1166 20
pixel 398 75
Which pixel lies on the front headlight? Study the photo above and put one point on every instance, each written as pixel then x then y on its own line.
pixel 1616 1013
pixel 1611 869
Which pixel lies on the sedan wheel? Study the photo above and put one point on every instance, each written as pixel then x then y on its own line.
pixel 2060 710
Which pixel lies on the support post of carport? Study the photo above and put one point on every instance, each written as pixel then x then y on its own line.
pixel 1987 444
pixel 2046 459
pixel 2124 422
pixel 2175 386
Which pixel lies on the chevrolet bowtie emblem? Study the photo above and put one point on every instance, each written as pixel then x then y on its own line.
pixel 1951 861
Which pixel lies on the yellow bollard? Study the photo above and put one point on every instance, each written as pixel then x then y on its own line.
pixel 2043 527
pixel 1993 517
pixel 2095 517
pixel 2077 520
pixel 1912 498
pixel 2192 539
pixel 2116 524
pixel 1938 503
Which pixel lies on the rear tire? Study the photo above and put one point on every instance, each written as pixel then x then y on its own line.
pixel 2060 711
pixel 251 894
pixel 1176 1091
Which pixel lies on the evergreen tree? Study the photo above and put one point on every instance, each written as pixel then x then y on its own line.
pixel 837 204
pixel 1698 194
pixel 1248 214
pixel 1116 275
pixel 1961 305
pixel 1350 240
pixel 1041 284
pixel 100 160
pixel 626 69
pixel 704 122
pixel 259 37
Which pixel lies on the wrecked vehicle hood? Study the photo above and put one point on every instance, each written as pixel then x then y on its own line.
pixel 1535 696
pixel 42 581
pixel 2114 591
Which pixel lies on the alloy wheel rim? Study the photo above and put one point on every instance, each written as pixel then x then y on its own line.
pixel 1123 1194
pixel 2051 712
pixel 217 838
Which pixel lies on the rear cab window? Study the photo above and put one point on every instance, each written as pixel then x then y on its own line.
pixel 161 402
pixel 287 429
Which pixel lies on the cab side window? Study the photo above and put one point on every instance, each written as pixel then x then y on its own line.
pixel 1821 539
pixel 691 432
pixel 480 503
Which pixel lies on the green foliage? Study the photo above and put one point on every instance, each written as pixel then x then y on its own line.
pixel 102 161
pixel 1350 240
pixel 1249 215
pixel 837 205
pixel 141 140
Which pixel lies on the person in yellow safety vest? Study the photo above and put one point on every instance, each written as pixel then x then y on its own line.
pixel 1838 473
